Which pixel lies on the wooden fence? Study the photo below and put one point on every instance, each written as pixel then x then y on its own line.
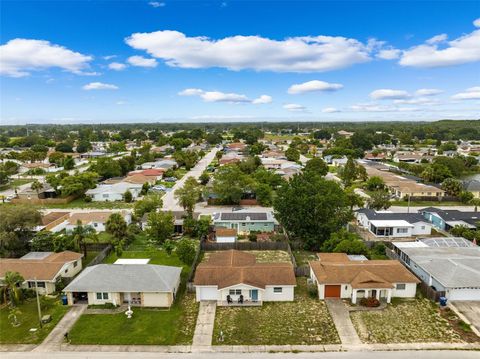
pixel 43 201
pixel 246 246
pixel 430 293
pixel 101 256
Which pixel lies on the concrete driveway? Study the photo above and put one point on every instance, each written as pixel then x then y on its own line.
pixel 471 310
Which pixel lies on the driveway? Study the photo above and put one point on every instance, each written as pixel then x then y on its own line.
pixel 341 317
pixel 169 201
pixel 471 310
pixel 205 321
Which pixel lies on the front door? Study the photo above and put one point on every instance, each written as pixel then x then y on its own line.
pixel 254 295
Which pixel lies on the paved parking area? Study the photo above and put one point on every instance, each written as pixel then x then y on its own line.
pixel 471 310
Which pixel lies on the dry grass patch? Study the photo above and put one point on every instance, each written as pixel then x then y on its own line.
pixel 407 321
pixel 261 256
pixel 304 321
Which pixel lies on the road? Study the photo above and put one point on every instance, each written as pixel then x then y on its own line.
pixel 427 354
pixel 11 191
pixel 169 201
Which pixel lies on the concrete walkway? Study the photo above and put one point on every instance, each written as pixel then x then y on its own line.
pixel 205 321
pixel 56 337
pixel 341 317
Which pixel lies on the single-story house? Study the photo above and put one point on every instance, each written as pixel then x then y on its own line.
pixel 230 276
pixel 164 164
pixel 389 224
pixel 245 222
pixel 114 192
pixel 225 235
pixel 47 268
pixel 447 219
pixel 97 220
pixel 472 186
pixel 155 173
pixel 338 276
pixel 144 285
pixel 45 192
pixel 449 267
pixel 338 162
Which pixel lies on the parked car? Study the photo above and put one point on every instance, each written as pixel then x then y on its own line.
pixel 170 179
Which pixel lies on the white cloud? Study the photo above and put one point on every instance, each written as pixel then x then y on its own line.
pixel 330 110
pixel 217 96
pixel 109 57
pixel 462 50
pixel 417 101
pixel 117 66
pixel 428 92
pixel 388 94
pixel 141 61
pixel 99 86
pixel 21 56
pixel 373 107
pixel 437 39
pixel 472 93
pixel 389 54
pixel 476 23
pixel 156 4
pixel 314 85
pixel 293 107
pixel 296 54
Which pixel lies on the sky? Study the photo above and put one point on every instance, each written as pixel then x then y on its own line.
pixel 229 61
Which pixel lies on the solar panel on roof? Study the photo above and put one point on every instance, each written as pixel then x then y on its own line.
pixel 243 216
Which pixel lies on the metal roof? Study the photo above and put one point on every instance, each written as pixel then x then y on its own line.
pixel 447 242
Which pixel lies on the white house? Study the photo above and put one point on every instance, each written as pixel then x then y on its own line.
pixel 97 220
pixel 144 285
pixel 114 192
pixel 338 276
pixel 234 278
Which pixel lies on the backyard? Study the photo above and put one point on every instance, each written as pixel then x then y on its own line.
pixel 28 319
pixel 405 321
pixel 304 321
pixel 268 256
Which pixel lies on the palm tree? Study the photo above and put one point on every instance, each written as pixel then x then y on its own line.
pixel 83 234
pixel 475 202
pixel 11 287
pixel 36 186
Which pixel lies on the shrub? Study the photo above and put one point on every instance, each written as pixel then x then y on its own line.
pixel 370 302
pixel 252 237
pixel 312 290
pixel 88 199
pixel 186 251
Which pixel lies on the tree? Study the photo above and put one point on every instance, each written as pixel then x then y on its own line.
pixel 188 195
pixel 78 183
pixel 203 227
pixel 452 187
pixel 353 199
pixel 69 163
pixel 11 288
pixel 316 166
pixel 160 226
pixel 475 202
pixel 107 167
pixel 465 196
pixel 348 173
pixel 82 235
pixel 292 154
pixel 186 251
pixel 149 203
pixel 36 186
pixel 310 208
pixel 57 158
pixel 127 196
pixel 64 147
pixel 204 178
pixel 345 242
pixel 264 194
pixel 230 183
pixel 117 227
pixel 436 173
pixel 375 183
pixel 379 200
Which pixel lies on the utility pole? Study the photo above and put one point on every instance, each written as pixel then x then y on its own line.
pixel 38 304
pixel 408 208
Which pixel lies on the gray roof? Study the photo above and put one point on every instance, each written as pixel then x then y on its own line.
pixel 472 218
pixel 36 255
pixel 472 185
pixel 126 278
pixel 453 267
pixel 389 216
pixel 447 242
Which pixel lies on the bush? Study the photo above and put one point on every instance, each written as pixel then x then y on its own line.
pixel 88 199
pixel 370 302
pixel 312 290
pixel 186 251
pixel 252 237
pixel 28 293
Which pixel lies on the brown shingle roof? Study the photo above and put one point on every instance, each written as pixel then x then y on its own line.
pixel 333 257
pixel 232 267
pixel 88 217
pixel 52 216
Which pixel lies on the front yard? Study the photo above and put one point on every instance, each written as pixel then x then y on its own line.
pixel 28 318
pixel 304 321
pixel 405 321
pixel 147 326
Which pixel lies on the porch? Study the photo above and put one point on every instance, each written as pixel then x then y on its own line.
pixel 378 293
pixel 249 303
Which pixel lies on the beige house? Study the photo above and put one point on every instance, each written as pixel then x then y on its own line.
pixel 339 276
pixel 47 268
pixel 143 285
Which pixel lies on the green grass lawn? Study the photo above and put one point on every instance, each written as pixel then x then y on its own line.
pixel 261 256
pixel 90 256
pixel 303 257
pixel 147 326
pixel 427 203
pixel 104 237
pixel 80 203
pixel 303 321
pixel 15 183
pixel 405 321
pixel 29 319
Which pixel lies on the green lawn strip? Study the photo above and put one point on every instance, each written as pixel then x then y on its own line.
pixel 174 326
pixel 304 321
pixel 29 319
pixel 90 256
pixel 80 203
pixel 267 256
pixel 426 203
pixel 405 321
pixel 303 257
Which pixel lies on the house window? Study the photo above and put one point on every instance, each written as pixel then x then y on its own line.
pixel 75 264
pixel 99 296
pixel 105 295
pixel 95 224
pixel 277 289
pixel 235 292
pixel 423 227
pixel 402 230
pixel 105 196
pixel 401 286
pixel 39 284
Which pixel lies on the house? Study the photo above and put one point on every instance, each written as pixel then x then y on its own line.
pixel 339 162
pixel 93 154
pixel 389 224
pixel 339 276
pixel 375 156
pixel 225 235
pixel 96 220
pixel 155 173
pixel 45 192
pixel 47 268
pixel 114 192
pixel 236 146
pixel 140 179
pixel 165 164
pixel 236 275
pixel 245 222
pixel 345 133
pixel 472 186
pixel 447 219
pixel 52 220
pixel 449 266
pixel 143 285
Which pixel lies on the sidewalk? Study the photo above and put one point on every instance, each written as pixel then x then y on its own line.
pixel 341 317
pixel 204 327
pixel 56 337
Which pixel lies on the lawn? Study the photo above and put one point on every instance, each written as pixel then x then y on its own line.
pixel 405 321
pixel 80 203
pixel 303 257
pixel 262 256
pixel 303 321
pixel 90 256
pixel 29 319
pixel 15 183
pixel 147 326
pixel 427 203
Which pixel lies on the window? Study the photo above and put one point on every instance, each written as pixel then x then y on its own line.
pixel 75 264
pixel 423 227
pixel 99 296
pixel 235 292
pixel 95 224
pixel 402 230
pixel 277 289
pixel 105 295
pixel 401 286
pixel 105 195
pixel 39 285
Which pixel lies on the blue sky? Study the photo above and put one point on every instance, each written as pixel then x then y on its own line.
pixel 202 61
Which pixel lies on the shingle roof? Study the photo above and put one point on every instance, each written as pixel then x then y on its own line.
pixel 390 216
pixel 88 217
pixel 472 218
pixel 232 267
pixel 126 278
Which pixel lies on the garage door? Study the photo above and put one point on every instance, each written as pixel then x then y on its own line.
pixel 207 293
pixel 464 294
pixel 332 291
